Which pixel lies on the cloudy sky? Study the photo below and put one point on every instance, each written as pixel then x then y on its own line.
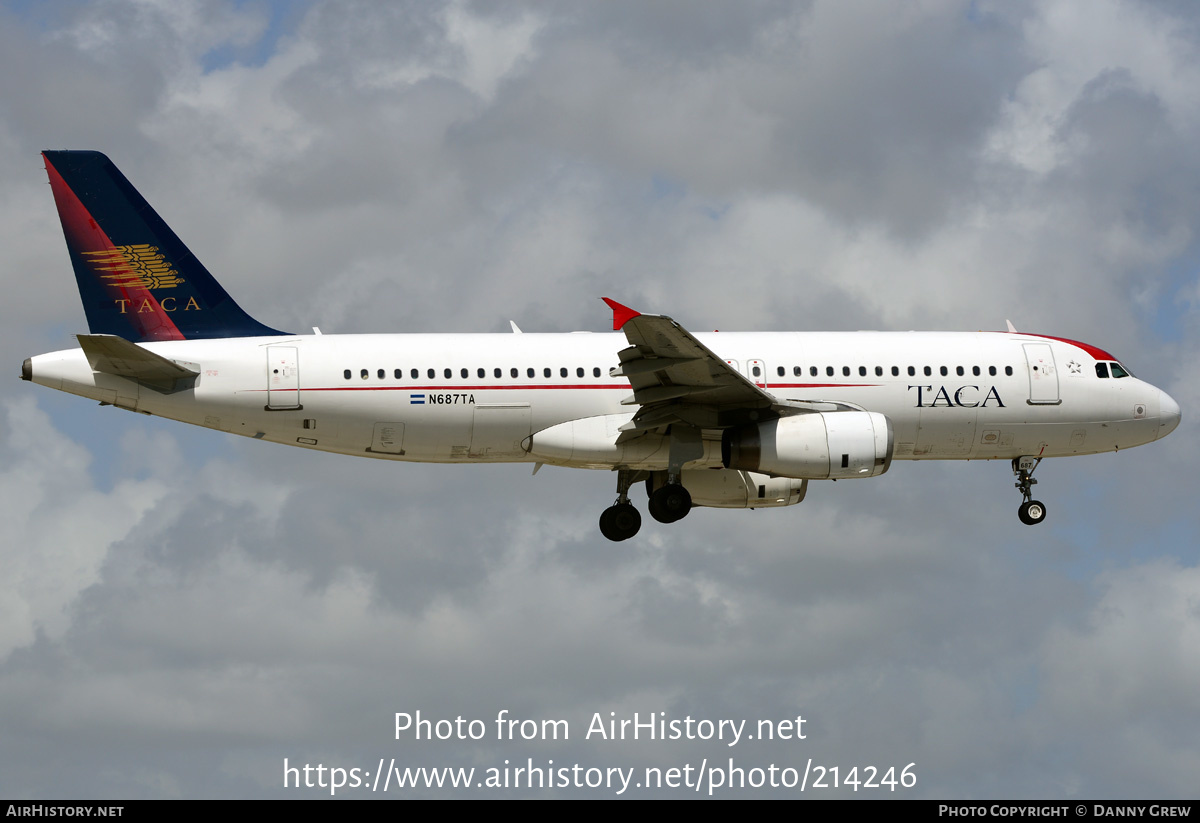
pixel 181 611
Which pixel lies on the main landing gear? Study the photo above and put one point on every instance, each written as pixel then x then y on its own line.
pixel 1032 511
pixel 621 520
pixel 668 503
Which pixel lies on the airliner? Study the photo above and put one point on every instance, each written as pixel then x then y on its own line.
pixel 727 420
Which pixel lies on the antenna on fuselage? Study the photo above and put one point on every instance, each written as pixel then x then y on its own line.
pixel 1011 328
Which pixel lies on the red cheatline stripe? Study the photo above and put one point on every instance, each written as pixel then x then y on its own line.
pixel 453 387
pixel 822 385
pixel 449 387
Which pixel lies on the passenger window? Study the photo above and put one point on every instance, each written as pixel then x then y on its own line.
pixel 928 371
pixel 529 372
pixel 496 373
pixel 595 371
pixel 780 370
pixel 447 373
pixel 1008 370
pixel 845 371
pixel 959 371
pixel 462 373
pixel 879 371
pixel 579 371
pixel 944 371
pixel 1102 370
pixel 346 374
pixel 992 371
pixel 480 373
pixel 813 371
pixel 363 374
pixel 545 372
pixel 431 373
pixel 380 374
pixel 912 372
pixel 895 371
pixel 512 372
pixel 398 373
pixel 797 371
pixel 414 374
pixel 975 370
pixel 862 371
pixel 756 371
pixel 829 371
pixel 562 372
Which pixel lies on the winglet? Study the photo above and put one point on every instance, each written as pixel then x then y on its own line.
pixel 621 314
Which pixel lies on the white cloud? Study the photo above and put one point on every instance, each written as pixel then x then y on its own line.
pixel 1074 45
pixel 57 526
pixel 1133 661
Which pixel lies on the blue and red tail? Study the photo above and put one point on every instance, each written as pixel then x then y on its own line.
pixel 136 277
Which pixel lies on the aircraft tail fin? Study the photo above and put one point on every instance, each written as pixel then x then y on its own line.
pixel 136 278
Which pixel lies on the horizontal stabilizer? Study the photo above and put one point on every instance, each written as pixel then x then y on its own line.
pixel 109 354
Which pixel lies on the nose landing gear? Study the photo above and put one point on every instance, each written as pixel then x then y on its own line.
pixel 1031 511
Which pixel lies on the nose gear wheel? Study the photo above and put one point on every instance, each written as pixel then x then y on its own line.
pixel 1031 511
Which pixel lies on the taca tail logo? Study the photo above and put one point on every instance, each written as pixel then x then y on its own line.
pixel 139 266
pixel 136 266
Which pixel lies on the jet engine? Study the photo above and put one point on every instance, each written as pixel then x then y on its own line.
pixel 813 446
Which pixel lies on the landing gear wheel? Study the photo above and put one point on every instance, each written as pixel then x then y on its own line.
pixel 1032 512
pixel 620 522
pixel 670 503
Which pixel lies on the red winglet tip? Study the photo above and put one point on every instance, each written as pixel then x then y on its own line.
pixel 621 314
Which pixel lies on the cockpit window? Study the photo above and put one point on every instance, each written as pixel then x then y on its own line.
pixel 1102 370
pixel 1118 370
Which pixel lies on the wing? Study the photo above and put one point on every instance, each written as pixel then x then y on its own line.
pixel 677 379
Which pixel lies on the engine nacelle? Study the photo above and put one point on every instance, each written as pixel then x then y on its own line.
pixel 813 446
pixel 726 489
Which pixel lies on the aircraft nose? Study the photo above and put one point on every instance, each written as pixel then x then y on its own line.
pixel 1168 414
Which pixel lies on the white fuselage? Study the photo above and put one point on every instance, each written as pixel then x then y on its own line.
pixel 480 397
